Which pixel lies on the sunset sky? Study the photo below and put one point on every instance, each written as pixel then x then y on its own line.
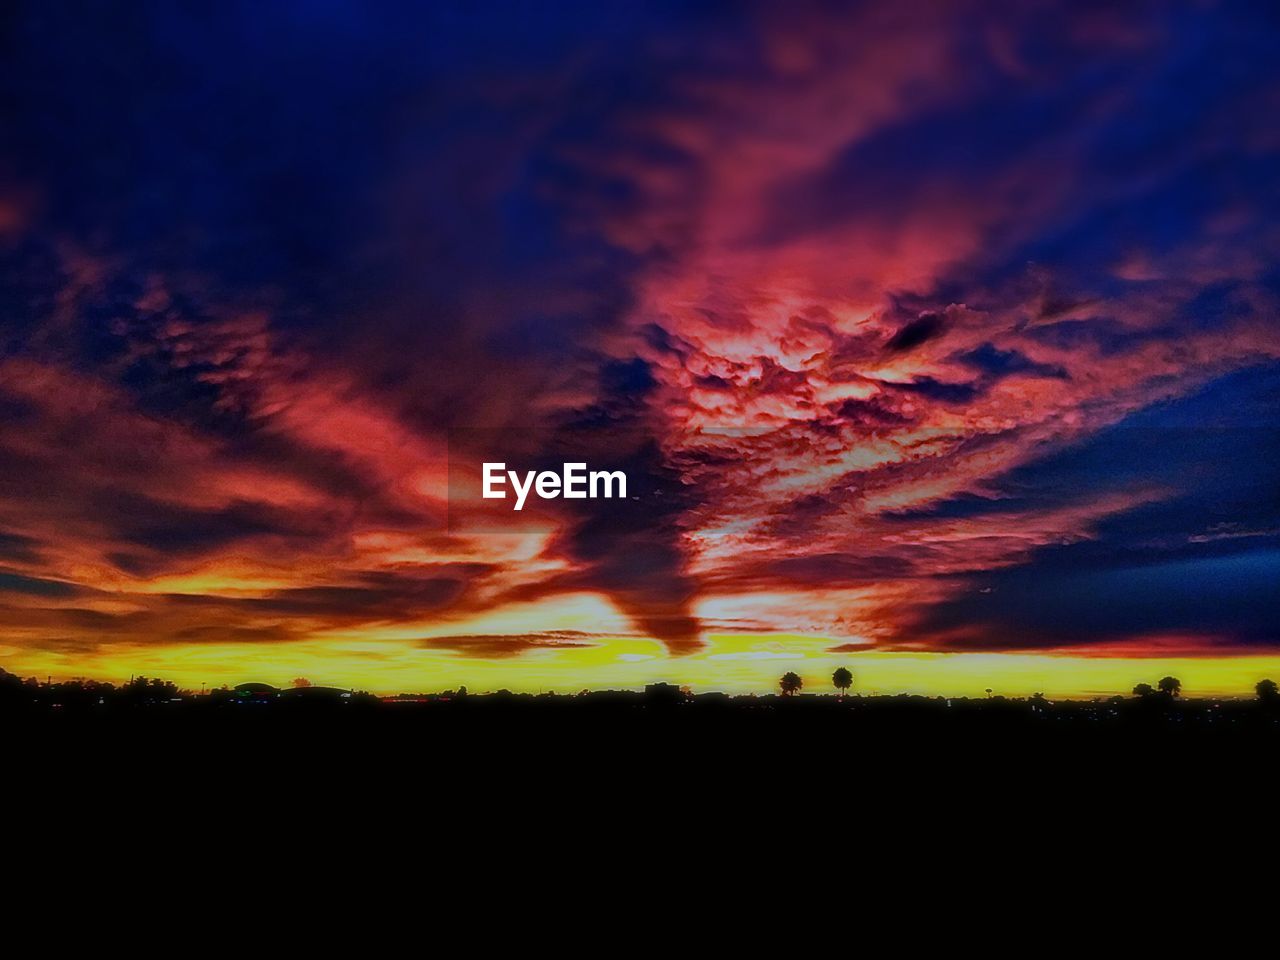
pixel 936 340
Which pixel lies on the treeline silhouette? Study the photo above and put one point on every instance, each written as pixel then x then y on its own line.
pixel 248 734
pixel 32 697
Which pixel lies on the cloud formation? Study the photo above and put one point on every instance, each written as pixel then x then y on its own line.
pixel 915 328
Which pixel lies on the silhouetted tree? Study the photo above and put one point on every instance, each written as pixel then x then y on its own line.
pixel 1170 686
pixel 1143 690
pixel 842 679
pixel 143 690
pixel 790 683
pixel 12 687
pixel 1267 690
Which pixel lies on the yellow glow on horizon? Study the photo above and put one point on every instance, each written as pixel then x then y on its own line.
pixel 738 663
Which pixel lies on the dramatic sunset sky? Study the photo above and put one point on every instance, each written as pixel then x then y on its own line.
pixel 937 340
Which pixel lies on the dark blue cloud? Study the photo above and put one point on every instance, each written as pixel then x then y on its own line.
pixel 15 547
pixel 37 586
pixel 941 391
pixel 396 163
pixel 926 327
pixel 996 363
pixel 1201 557
pixel 1223 600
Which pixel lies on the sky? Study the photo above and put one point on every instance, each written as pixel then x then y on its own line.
pixel 936 340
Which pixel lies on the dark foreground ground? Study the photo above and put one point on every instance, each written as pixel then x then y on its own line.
pixel 640 777
pixel 646 731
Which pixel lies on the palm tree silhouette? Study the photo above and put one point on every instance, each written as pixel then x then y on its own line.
pixel 790 683
pixel 842 679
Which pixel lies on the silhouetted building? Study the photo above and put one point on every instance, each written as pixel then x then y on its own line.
pixel 255 692
pixel 315 694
